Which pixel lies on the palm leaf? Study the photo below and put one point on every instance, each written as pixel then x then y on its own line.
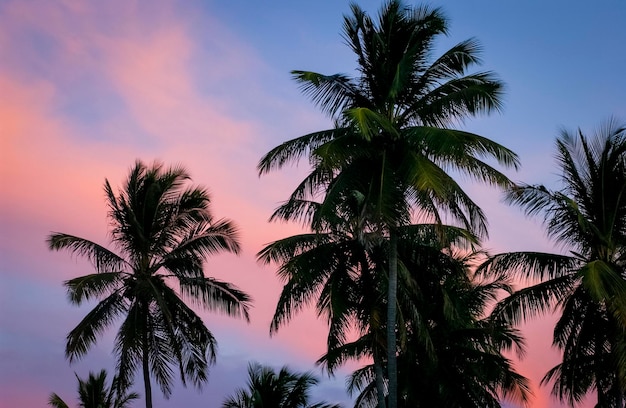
pixel 84 335
pixel 93 286
pixel 330 92
pixel 217 295
pixel 56 401
pixel 293 150
pixel 102 259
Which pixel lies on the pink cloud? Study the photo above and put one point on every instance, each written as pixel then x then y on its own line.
pixel 52 178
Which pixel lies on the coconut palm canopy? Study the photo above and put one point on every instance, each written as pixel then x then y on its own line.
pixel 95 392
pixel 278 389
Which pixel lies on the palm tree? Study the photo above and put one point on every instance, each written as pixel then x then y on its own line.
pixel 450 355
pixel 334 268
pixel 443 340
pixel 94 393
pixel 269 389
pixel 462 363
pixel 164 231
pixel 392 139
pixel 587 286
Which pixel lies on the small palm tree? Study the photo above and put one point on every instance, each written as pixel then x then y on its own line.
pixel 94 393
pixel 587 287
pixel 164 231
pixel 270 389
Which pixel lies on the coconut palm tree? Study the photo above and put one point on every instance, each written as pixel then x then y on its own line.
pixel 439 309
pixel 450 354
pixel 270 389
pixel 333 268
pixel 392 139
pixel 587 286
pixel 94 393
pixel 462 363
pixel 163 231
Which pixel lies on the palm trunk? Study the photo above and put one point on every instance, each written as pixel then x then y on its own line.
pixel 392 368
pixel 378 372
pixel 146 369
pixel 377 351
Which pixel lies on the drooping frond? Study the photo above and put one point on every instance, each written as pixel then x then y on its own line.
pixel 530 266
pixel 535 300
pixel 56 401
pixel 187 338
pixel 293 150
pixel 129 344
pixel 102 259
pixel 93 286
pixel 216 295
pixel 186 256
pixel 454 147
pixel 459 98
pixel 330 92
pixel 84 335
pixel 338 355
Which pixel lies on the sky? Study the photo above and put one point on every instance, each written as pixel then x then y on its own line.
pixel 87 88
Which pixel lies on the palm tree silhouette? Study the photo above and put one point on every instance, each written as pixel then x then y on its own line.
pixel 94 393
pixel 164 231
pixel 270 389
pixel 588 286
pixel 392 140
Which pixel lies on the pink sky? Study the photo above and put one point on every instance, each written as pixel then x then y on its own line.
pixel 88 87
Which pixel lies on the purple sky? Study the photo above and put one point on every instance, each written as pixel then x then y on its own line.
pixel 88 87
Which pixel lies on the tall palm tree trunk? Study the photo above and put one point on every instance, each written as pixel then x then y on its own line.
pixel 378 372
pixel 392 367
pixel 146 370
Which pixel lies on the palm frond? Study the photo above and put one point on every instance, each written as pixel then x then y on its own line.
pixel 530 266
pixel 534 300
pixel 128 347
pixel 93 286
pixel 330 92
pixel 458 98
pixel 339 354
pixel 293 150
pixel 283 250
pixel 56 401
pixel 102 259
pixel 84 335
pixel 217 295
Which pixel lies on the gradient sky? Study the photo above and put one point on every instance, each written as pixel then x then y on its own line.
pixel 86 88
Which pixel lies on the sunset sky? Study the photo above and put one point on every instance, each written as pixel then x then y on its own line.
pixel 86 88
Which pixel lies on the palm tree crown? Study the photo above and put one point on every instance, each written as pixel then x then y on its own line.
pixel 270 389
pixel 391 140
pixel 164 231
pixel 588 286
pixel 94 393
